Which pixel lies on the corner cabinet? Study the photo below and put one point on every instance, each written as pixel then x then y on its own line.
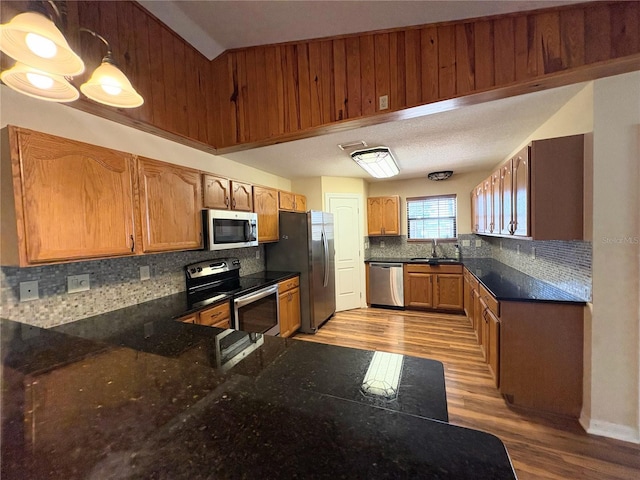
pixel 265 204
pixel 64 200
pixel 289 304
pixel 537 194
pixel 383 215
pixel 170 206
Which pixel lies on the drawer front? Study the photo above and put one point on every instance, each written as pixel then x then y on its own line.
pixel 491 302
pixel 413 268
pixel 215 315
pixel 286 285
pixel 191 318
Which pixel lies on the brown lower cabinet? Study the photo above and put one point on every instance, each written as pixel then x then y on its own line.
pixel 289 298
pixel 534 350
pixel 438 287
pixel 217 316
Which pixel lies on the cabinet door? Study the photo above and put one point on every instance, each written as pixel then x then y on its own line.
pixel 506 198
pixel 521 170
pixel 477 315
pixel 492 331
pixel 449 292
pixel 300 203
pixel 474 212
pixel 480 209
pixel 170 204
pixel 418 290
pixel 241 196
pixel 265 202
pixel 289 312
pixel 487 195
pixel 496 206
pixel 216 192
pixel 286 201
pixel 75 200
pixel 391 215
pixel 468 298
pixel 374 216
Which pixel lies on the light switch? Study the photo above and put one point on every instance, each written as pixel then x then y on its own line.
pixel 466 243
pixel 29 291
pixel 478 243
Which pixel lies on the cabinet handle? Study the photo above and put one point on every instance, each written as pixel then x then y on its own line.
pixel 226 201
pixel 215 315
pixel 133 244
pixel 234 203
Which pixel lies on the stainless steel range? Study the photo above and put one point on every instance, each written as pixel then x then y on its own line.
pixel 255 298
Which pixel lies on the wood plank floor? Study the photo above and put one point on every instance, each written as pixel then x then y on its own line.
pixel 540 446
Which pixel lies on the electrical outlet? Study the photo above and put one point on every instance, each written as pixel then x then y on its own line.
pixel 145 273
pixel 466 243
pixel 478 243
pixel 78 283
pixel 500 244
pixel 383 102
pixel 29 291
pixel 381 243
pixel 533 252
pixel 518 249
pixel 257 254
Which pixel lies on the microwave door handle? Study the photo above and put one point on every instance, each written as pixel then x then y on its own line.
pixel 247 231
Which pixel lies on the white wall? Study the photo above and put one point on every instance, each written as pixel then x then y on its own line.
pixel 613 395
pixel 64 121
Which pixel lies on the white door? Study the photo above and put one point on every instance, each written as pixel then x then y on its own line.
pixel 348 242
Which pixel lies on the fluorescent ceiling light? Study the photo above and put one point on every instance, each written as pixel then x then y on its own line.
pixel 383 376
pixel 377 161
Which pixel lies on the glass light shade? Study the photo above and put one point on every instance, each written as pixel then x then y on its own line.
pixel 34 40
pixel 108 85
pixel 38 84
pixel 377 162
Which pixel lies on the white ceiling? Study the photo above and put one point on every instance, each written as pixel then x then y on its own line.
pixel 465 139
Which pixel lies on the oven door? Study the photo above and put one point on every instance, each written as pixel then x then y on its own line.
pixel 258 311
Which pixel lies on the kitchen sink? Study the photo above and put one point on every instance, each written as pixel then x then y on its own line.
pixel 435 261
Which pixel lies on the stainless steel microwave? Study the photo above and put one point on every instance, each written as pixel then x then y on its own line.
pixel 225 229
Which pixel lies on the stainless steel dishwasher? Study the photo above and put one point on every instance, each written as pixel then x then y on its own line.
pixel 386 285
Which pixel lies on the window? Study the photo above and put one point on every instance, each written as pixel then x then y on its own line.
pixel 432 217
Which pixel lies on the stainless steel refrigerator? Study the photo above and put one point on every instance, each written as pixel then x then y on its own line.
pixel 306 245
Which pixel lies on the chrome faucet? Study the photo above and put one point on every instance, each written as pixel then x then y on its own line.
pixel 434 243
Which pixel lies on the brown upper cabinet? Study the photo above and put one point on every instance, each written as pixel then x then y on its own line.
pixel 223 194
pixel 265 204
pixel 170 206
pixel 292 202
pixel 217 192
pixel 540 193
pixel 64 200
pixel 383 215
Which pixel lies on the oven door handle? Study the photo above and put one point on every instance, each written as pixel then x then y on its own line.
pixel 247 299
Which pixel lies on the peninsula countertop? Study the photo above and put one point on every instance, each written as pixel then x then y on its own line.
pixel 166 406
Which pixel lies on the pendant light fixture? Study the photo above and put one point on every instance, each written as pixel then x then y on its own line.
pixel 45 63
pixel 108 85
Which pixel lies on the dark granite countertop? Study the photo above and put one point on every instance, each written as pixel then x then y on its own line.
pixel 420 260
pixel 504 282
pixel 169 404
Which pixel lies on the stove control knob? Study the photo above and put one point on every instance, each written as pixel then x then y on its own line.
pixel 192 270
pixel 199 269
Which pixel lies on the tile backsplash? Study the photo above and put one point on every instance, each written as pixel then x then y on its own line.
pixel 565 265
pixel 115 283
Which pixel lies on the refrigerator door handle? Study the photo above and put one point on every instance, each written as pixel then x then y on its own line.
pixel 325 245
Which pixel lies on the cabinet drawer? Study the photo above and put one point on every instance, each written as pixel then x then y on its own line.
pixel 414 268
pixel 490 300
pixel 286 285
pixel 215 315
pixel 191 318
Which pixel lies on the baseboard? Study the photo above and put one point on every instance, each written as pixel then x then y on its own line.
pixel 610 430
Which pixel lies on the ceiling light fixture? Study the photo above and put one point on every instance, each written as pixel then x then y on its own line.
pixel 437 176
pixel 45 62
pixel 377 161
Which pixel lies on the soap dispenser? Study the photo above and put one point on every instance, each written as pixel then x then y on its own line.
pixel 457 254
